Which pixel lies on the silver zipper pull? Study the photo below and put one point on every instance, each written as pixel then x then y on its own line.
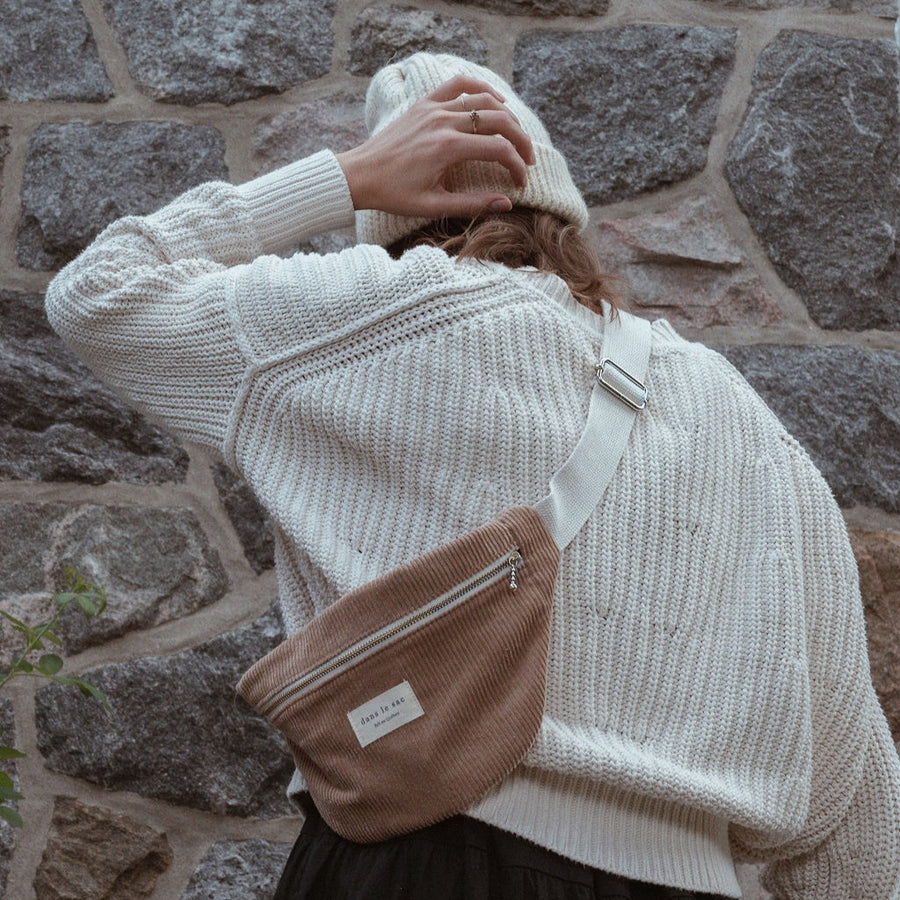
pixel 514 561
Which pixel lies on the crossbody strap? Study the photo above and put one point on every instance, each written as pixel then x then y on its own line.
pixel 619 394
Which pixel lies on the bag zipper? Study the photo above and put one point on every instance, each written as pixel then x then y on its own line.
pixel 508 563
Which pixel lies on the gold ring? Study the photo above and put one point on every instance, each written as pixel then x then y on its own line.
pixel 462 100
pixel 473 115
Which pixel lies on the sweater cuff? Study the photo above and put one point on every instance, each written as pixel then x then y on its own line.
pixel 299 200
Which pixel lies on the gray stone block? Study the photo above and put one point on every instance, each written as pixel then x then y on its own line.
pixel 78 178
pixel 336 122
pixel 248 518
pixel 330 242
pixel 540 8
pixel 630 108
pixel 684 265
pixel 177 732
pixel 218 51
pixel 815 167
pixel 238 870
pixel 841 403
pixel 155 565
pixel 49 53
pixel 94 853
pixel 383 34
pixel 58 422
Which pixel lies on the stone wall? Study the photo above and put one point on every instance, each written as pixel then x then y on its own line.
pixel 741 160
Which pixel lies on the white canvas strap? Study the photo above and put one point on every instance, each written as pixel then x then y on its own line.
pixel 619 394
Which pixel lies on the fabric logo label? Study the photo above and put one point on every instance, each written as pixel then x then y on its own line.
pixel 385 713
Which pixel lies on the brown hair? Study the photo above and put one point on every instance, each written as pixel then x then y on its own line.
pixel 522 237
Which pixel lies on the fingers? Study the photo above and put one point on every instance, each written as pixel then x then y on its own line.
pixel 465 206
pixel 499 122
pixel 463 84
pixel 467 102
pixel 482 111
pixel 489 148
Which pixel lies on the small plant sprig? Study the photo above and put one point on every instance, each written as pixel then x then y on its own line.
pixel 34 662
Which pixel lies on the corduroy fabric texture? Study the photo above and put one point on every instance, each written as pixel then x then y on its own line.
pixel 396 87
pixel 477 669
pixel 708 643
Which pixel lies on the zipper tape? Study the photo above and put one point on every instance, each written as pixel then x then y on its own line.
pixel 378 640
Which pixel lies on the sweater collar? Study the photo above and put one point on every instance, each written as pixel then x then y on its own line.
pixel 556 289
pixel 553 287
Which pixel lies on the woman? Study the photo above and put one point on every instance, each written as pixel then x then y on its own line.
pixel 708 694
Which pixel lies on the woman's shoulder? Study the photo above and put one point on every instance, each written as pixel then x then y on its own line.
pixel 699 382
pixel 699 367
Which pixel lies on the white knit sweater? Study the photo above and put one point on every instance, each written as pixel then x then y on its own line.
pixel 709 697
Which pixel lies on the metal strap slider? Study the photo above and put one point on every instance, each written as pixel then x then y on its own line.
pixel 621 385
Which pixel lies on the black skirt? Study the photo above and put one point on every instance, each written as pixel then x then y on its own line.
pixel 458 859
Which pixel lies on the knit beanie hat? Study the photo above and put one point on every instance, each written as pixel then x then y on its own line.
pixel 396 87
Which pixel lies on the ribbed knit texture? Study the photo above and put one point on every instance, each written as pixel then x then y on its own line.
pixel 707 649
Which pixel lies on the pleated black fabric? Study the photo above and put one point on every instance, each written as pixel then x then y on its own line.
pixel 459 859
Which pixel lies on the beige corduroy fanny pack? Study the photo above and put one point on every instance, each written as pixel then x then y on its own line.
pixel 410 697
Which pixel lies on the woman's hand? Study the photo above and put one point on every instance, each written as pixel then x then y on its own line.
pixel 401 169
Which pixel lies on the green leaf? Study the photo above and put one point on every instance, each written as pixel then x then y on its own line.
pixel 18 624
pixel 51 636
pixel 9 794
pixel 23 665
pixel 10 753
pixel 11 816
pixel 89 690
pixel 5 780
pixel 44 632
pixel 90 597
pixel 88 607
pixel 92 604
pixel 49 664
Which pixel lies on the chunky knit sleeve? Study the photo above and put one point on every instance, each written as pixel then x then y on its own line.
pixel 859 858
pixel 145 305
pixel 849 845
